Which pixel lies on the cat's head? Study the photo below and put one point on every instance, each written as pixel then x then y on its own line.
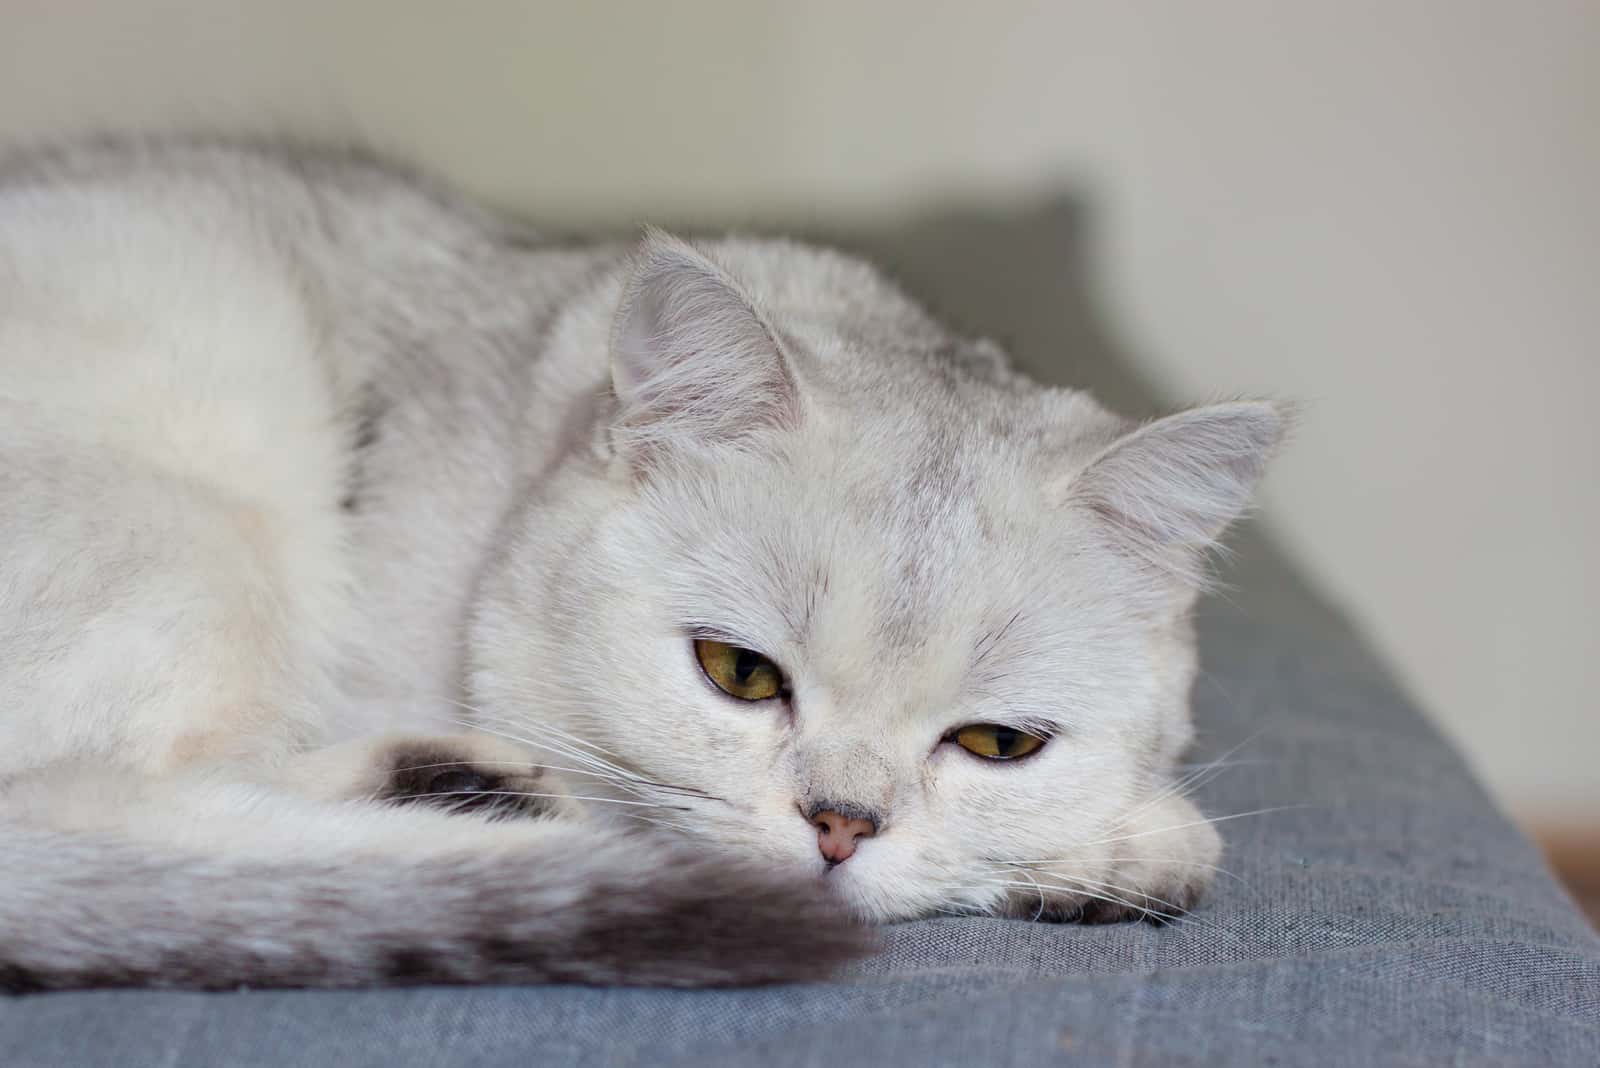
pixel 844 593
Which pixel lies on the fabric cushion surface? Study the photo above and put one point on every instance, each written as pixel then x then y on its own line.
pixel 1380 909
pixel 1382 912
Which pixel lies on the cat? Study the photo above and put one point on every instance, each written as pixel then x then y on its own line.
pixel 390 596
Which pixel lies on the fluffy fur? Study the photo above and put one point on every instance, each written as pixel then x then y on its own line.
pixel 307 468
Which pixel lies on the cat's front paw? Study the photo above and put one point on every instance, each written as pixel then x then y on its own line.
pixel 1160 861
pixel 463 774
pixel 1165 860
pixel 474 773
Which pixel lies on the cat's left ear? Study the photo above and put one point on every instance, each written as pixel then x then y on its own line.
pixel 692 364
pixel 1168 489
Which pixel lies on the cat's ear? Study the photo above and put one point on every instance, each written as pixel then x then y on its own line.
pixel 692 364
pixel 1171 487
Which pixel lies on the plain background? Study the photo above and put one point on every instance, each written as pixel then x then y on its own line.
pixel 1390 211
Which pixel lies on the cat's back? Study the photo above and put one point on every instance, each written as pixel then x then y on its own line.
pixel 323 353
pixel 226 311
pixel 196 344
pixel 164 314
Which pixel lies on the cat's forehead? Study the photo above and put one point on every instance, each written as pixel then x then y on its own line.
pixel 915 498
pixel 926 517
pixel 892 540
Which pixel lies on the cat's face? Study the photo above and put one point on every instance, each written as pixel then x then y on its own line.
pixel 859 608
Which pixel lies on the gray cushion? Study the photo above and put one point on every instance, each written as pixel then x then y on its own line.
pixel 1392 916
pixel 1382 912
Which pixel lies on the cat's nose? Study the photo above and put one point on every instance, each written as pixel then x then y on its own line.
pixel 838 833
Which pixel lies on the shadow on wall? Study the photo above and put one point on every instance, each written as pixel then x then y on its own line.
pixel 1023 275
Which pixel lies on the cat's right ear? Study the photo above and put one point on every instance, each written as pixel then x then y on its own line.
pixel 1169 488
pixel 692 364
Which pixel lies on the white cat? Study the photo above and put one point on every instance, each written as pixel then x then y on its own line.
pixel 772 603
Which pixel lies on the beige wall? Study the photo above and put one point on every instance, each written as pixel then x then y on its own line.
pixel 1387 209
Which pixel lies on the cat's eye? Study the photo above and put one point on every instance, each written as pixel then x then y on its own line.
pixel 740 673
pixel 994 742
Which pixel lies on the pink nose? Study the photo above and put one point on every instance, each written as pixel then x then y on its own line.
pixel 837 834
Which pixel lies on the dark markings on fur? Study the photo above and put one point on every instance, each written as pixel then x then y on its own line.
pixel 990 639
pixel 369 420
pixel 18 980
pixel 437 776
pixel 1095 911
pixel 848 809
pixel 406 965
pixel 635 910
pixel 930 499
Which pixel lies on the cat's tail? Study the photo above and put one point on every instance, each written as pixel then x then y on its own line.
pixel 404 905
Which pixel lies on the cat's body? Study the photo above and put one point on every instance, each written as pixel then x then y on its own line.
pixel 304 467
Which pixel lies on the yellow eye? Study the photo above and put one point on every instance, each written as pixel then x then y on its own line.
pixel 996 742
pixel 738 672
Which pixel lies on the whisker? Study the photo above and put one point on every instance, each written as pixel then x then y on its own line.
pixel 562 748
pixel 601 768
pixel 668 824
pixel 1018 885
pixel 945 910
pixel 1040 890
pixel 1178 910
pixel 587 759
pixel 631 787
pixel 1220 761
pixel 568 797
pixel 1045 862
pixel 1219 869
pixel 497 763
pixel 596 765
pixel 475 710
pixel 565 743
pixel 1195 823
pixel 1193 780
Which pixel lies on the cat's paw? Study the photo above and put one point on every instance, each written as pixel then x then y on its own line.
pixel 474 773
pixel 1161 860
pixel 467 773
pixel 1164 863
